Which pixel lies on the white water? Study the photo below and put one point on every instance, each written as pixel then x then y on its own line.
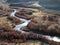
pixel 53 38
pixel 13 13
pixel 18 27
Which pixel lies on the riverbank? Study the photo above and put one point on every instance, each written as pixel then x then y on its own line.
pixel 37 13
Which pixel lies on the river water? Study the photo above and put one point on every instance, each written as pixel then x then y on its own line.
pixel 18 27
pixel 48 4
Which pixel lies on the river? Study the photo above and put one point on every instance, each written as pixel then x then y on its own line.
pixel 18 27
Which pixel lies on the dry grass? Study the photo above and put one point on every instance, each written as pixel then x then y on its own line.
pixel 4 20
pixel 25 43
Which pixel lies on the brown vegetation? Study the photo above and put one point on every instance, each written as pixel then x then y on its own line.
pixel 15 20
pixel 8 34
pixel 24 14
pixel 48 24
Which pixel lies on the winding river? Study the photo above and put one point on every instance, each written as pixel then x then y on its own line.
pixel 18 27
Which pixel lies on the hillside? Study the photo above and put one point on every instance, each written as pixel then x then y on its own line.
pixel 4 6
